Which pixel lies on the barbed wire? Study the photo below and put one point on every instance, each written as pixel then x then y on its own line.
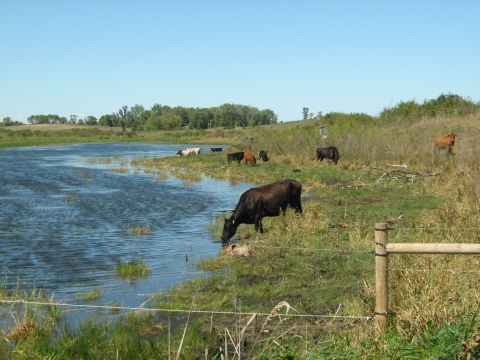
pixel 434 228
pixel 201 232
pixel 129 308
pixel 251 245
pixel 432 270
pixel 304 248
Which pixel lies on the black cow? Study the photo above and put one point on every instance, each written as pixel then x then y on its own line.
pixel 216 149
pixel 329 153
pixel 266 200
pixel 237 156
pixel 263 155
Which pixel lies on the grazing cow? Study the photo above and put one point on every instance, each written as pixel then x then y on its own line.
pixel 196 151
pixel 249 158
pixel 263 155
pixel 216 149
pixel 267 200
pixel 444 142
pixel 329 153
pixel 237 156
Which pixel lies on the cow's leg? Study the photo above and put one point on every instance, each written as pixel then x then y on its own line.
pixel 258 223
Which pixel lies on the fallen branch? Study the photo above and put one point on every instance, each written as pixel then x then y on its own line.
pixel 395 174
pixel 403 165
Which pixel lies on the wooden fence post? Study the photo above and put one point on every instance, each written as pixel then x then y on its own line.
pixel 381 277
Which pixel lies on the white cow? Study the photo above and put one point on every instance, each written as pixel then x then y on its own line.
pixel 184 152
pixel 189 151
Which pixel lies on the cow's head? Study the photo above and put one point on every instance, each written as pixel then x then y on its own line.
pixel 229 228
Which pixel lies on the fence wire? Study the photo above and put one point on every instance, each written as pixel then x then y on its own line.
pixel 209 312
pixel 434 228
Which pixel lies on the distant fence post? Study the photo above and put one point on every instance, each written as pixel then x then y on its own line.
pixel 381 277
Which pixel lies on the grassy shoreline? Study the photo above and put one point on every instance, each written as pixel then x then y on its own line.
pixel 317 263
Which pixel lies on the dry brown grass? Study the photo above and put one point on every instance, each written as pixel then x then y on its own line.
pixel 23 328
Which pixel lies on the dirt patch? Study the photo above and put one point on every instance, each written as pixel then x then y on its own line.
pixel 46 127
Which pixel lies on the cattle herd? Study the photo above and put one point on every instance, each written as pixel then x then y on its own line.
pixel 273 199
pixel 249 158
pixel 267 200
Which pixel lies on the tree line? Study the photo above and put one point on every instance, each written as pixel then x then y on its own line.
pixel 443 105
pixel 166 118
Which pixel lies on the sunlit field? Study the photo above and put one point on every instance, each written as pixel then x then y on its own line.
pixel 317 266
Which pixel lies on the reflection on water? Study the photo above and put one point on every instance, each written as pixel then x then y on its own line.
pixel 65 221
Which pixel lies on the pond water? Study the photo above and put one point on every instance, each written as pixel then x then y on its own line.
pixel 65 220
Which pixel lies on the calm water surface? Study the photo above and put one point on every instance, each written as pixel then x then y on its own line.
pixel 70 247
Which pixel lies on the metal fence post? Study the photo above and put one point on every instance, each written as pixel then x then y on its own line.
pixel 381 277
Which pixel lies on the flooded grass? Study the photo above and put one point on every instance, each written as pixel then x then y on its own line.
pixel 161 175
pixel 91 295
pixel 69 198
pixel 141 230
pixel 23 291
pixel 102 160
pixel 121 171
pixel 87 175
pixel 132 268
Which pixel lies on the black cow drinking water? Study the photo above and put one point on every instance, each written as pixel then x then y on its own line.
pixel 238 156
pixel 263 155
pixel 266 200
pixel 329 153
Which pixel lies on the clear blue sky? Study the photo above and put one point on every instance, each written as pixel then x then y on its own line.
pixel 90 57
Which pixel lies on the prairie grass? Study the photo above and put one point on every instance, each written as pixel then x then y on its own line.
pixel 341 205
pixel 319 263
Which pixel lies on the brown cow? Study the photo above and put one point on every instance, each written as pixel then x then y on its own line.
pixel 249 158
pixel 444 142
pixel 329 153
